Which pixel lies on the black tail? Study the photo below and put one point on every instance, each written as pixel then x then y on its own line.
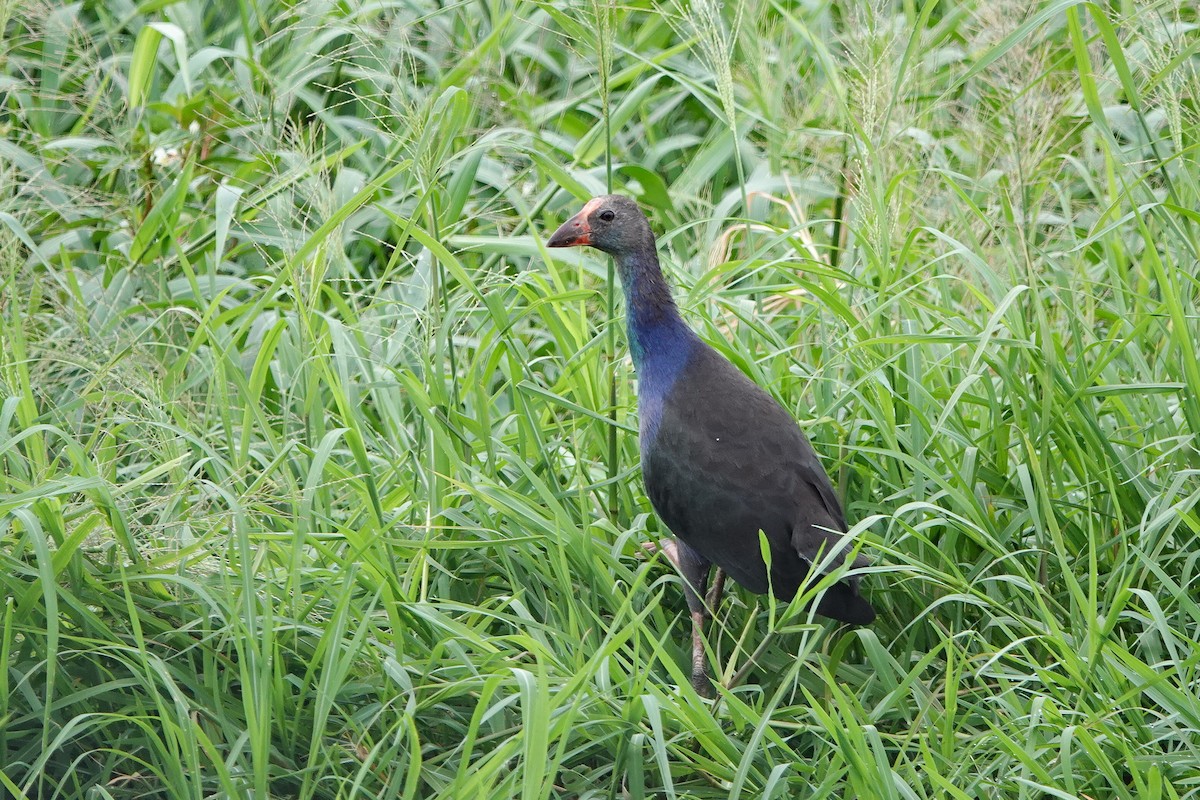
pixel 843 603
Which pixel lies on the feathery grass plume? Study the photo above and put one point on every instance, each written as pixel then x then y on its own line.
pixel 879 153
pixel 704 21
pixel 603 14
pixel 1021 106
pixel 872 49
pixel 1159 37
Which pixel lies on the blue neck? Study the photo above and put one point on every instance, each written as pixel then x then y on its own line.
pixel 657 334
pixel 659 340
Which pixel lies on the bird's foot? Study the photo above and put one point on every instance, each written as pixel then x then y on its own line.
pixel 668 549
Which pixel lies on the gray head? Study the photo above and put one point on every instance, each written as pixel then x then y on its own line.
pixel 612 223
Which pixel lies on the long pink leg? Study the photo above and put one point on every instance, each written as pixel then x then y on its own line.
pixel 695 575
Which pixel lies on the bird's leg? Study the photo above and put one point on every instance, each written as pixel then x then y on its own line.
pixel 700 680
pixel 713 599
pixel 699 663
pixel 693 567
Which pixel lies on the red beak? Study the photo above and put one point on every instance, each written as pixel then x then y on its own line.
pixel 573 232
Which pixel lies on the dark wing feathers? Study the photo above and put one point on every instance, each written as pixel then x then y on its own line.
pixel 727 461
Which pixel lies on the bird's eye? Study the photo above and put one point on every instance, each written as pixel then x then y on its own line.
pixel 607 215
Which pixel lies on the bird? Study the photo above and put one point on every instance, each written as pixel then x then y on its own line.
pixel 722 460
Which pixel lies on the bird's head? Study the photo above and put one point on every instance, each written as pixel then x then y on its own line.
pixel 612 223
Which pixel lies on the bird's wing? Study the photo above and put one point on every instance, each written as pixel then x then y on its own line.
pixel 815 531
pixel 727 461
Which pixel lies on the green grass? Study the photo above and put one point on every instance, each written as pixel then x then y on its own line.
pixel 319 473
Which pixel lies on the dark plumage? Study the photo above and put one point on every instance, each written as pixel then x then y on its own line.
pixel 720 458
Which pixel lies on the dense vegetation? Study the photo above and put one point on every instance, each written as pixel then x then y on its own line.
pixel 319 474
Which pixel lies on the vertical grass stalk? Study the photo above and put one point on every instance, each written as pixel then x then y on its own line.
pixel 603 14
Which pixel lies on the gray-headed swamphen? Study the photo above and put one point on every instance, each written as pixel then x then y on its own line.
pixel 721 459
